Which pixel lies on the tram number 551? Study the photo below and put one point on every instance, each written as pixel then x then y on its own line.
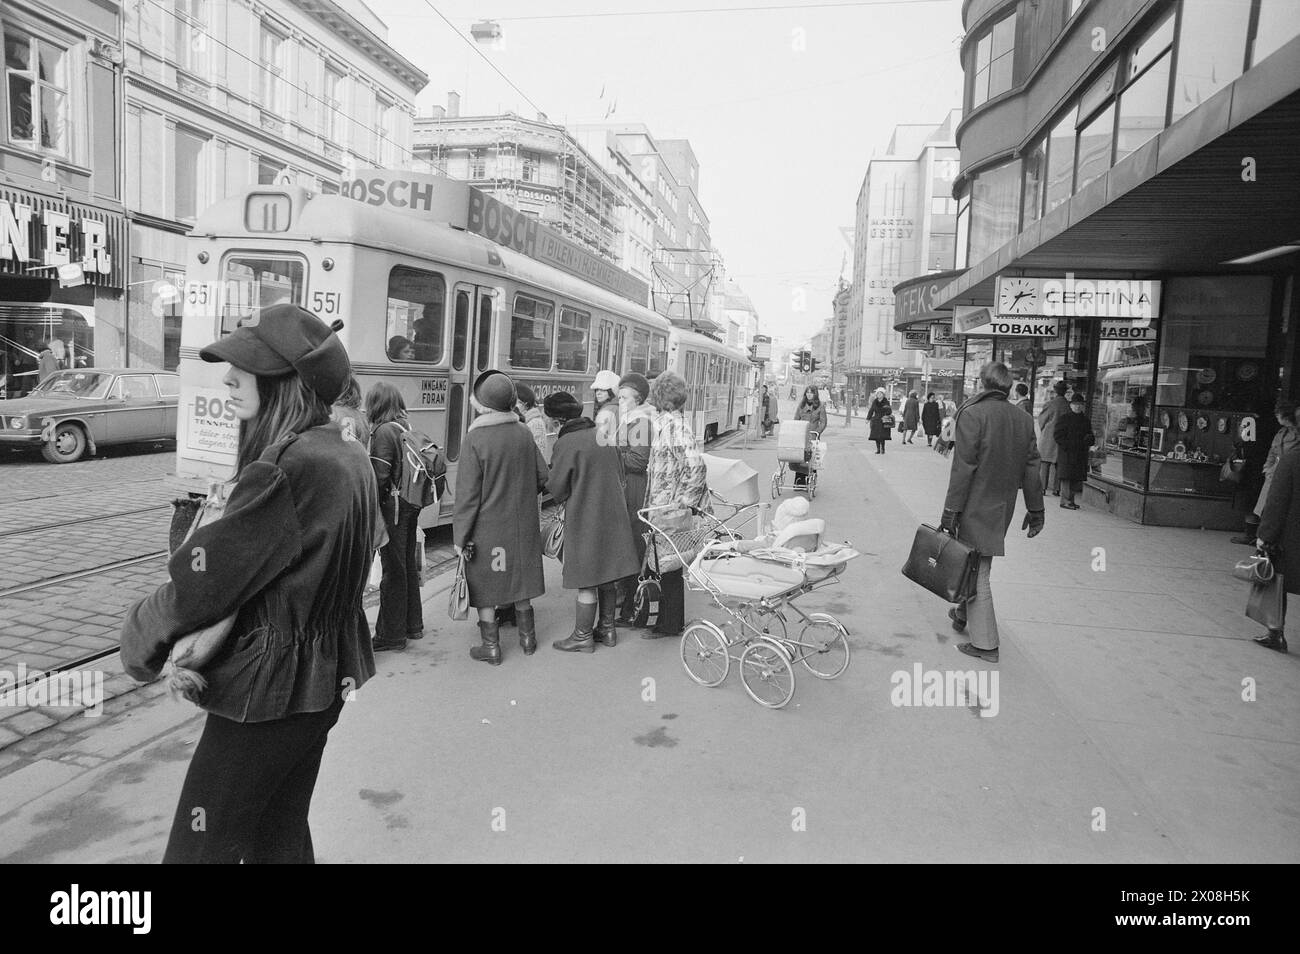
pixel 325 303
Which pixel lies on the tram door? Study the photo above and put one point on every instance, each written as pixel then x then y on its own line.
pixel 471 355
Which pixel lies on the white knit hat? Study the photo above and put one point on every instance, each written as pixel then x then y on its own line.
pixel 605 381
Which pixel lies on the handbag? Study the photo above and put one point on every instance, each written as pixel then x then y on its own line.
pixel 1266 603
pixel 553 541
pixel 1256 568
pixel 1231 470
pixel 645 603
pixel 942 564
pixel 458 597
pixel 887 420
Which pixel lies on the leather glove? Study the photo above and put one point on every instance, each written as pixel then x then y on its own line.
pixel 1033 523
pixel 949 522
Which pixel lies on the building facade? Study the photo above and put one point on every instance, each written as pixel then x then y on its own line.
pixel 1126 224
pixel 687 279
pixel 531 165
pixel 226 94
pixel 905 226
pixel 63 243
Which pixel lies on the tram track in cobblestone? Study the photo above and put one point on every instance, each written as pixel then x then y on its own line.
pixel 76 520
pixel 80 574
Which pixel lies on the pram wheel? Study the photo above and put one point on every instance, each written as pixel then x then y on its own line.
pixel 824 646
pixel 704 653
pixel 766 674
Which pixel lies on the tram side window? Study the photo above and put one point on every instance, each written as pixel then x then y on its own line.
pixel 416 315
pixel 575 333
pixel 616 359
pixel 658 355
pixel 640 358
pixel 530 333
pixel 250 284
pixel 604 342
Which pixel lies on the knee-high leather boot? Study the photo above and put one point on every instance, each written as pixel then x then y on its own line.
pixel 606 634
pixel 580 641
pixel 527 631
pixel 490 651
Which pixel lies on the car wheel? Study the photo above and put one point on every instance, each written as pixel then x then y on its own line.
pixel 67 445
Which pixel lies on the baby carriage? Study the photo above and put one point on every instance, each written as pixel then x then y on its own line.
pixel 756 585
pixel 799 450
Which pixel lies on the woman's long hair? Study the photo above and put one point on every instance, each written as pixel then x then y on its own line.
pixel 384 404
pixel 286 406
pixel 816 398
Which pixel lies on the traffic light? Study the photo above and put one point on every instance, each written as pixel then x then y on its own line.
pixel 812 364
pixel 805 360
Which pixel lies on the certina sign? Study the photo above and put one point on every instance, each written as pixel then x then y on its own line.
pixel 1078 298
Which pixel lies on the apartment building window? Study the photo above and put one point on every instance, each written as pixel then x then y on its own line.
pixel 36 88
pixel 530 166
pixel 1277 23
pixel 1211 50
pixel 478 163
pixel 269 171
pixel 1144 100
pixel 995 209
pixel 190 34
pixel 384 150
pixel 1060 163
pixel 189 193
pixel 1034 165
pixel 1095 140
pixel 271 70
pixel 994 57
pixel 333 104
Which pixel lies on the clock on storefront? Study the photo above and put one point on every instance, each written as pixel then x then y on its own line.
pixel 1018 296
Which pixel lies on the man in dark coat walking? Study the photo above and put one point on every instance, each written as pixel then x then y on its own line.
pixel 931 419
pixel 1279 525
pixel 1047 440
pixel 1073 434
pixel 994 457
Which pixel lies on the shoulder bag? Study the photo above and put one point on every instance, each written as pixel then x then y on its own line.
pixel 942 564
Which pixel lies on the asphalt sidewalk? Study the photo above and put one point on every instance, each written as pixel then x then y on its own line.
pixel 1121 733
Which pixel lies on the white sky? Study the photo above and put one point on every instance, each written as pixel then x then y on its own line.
pixel 783 134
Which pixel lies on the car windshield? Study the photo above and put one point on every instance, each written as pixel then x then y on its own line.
pixel 85 384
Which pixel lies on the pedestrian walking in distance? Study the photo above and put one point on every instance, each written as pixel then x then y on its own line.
pixel 768 402
pixel 401 617
pixel 880 412
pixel 931 419
pixel 1279 527
pixel 812 410
pixel 46 363
pixel 911 418
pixel 1073 435
pixel 678 476
pixel 495 521
pixel 635 438
pixel 994 457
pixel 598 548
pixel 1020 396
pixel 1049 474
pixel 285 567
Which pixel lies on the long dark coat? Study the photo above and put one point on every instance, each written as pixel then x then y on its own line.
pixel 995 455
pixel 498 477
pixel 1279 522
pixel 585 477
pixel 1073 434
pixel 635 433
pixel 1055 409
pixel 911 414
pixel 879 408
pixel 931 418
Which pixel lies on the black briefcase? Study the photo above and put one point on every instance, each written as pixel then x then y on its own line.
pixel 942 564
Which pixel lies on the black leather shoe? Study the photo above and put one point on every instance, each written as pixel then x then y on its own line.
pixel 1273 639
pixel 970 649
pixel 388 645
pixel 958 622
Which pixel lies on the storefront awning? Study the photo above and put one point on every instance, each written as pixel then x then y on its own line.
pixel 1180 202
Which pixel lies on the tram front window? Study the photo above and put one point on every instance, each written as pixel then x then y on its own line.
pixel 253 283
pixel 416 315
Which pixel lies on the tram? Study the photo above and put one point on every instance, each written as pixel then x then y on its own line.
pixel 425 306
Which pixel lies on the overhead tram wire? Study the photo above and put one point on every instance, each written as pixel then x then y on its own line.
pixel 409 154
pixel 686 11
pixel 474 46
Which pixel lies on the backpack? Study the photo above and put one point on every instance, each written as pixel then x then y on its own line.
pixel 422 471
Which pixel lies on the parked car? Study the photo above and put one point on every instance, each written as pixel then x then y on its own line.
pixel 72 412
